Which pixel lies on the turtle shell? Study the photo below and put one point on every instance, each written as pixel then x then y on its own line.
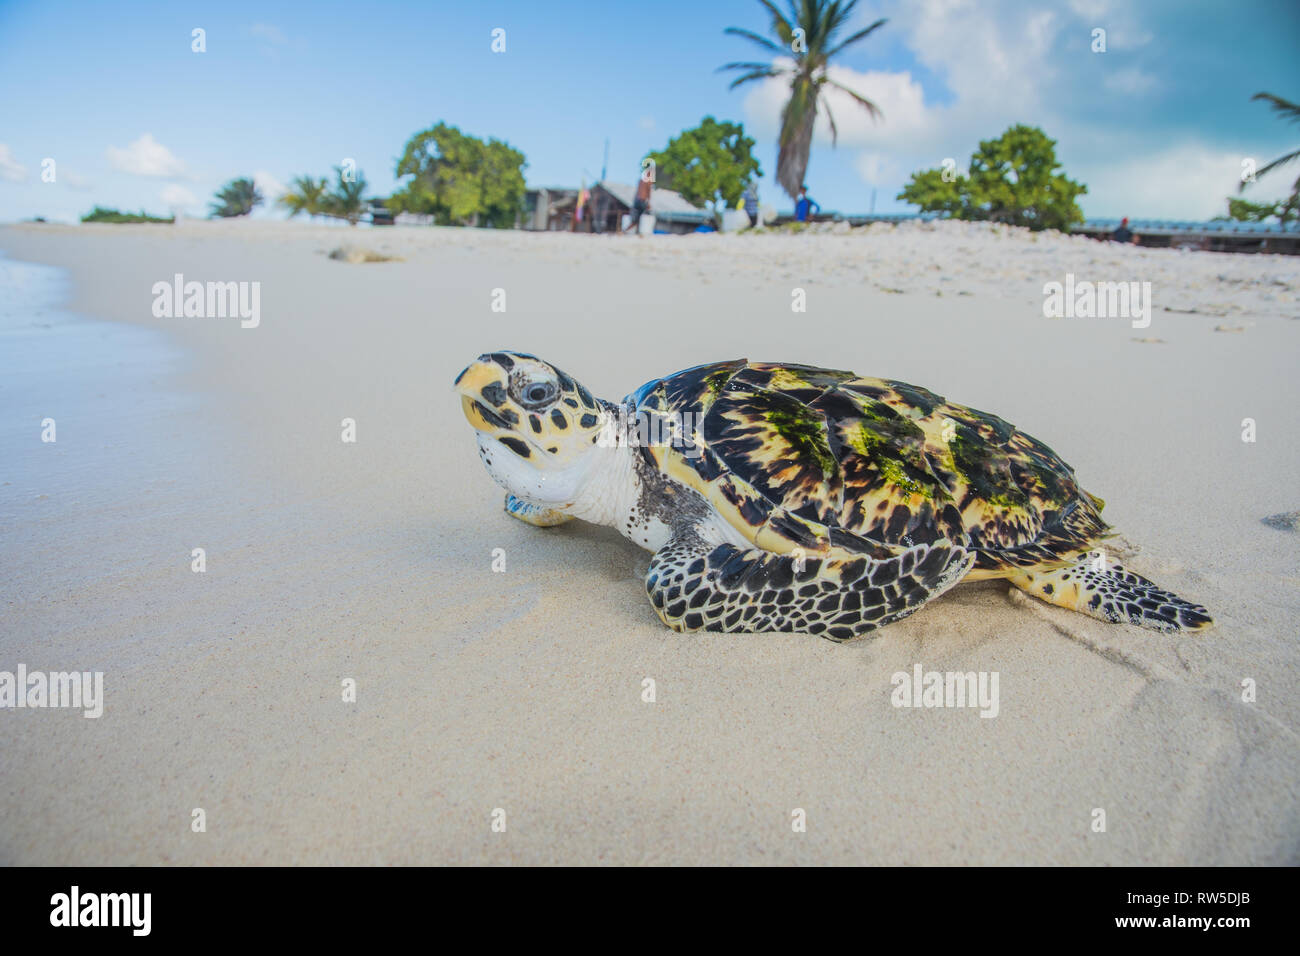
pixel 800 457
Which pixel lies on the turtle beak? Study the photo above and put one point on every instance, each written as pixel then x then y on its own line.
pixel 477 374
pixel 482 390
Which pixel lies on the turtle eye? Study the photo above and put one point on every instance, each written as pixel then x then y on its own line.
pixel 537 394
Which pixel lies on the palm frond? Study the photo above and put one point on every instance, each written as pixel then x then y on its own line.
pixel 760 40
pixel 835 133
pixel 1283 107
pixel 862 101
pixel 756 75
pixel 745 66
pixel 780 25
pixel 1287 111
pixel 1279 163
pixel 827 24
pixel 861 34
pixel 821 23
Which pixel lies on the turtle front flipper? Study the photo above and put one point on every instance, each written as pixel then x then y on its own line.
pixel 534 514
pixel 1111 593
pixel 695 585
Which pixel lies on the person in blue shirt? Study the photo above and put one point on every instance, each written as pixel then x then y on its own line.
pixel 805 207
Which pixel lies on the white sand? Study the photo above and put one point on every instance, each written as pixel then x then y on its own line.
pixel 522 690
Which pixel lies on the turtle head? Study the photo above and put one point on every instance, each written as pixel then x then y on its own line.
pixel 537 427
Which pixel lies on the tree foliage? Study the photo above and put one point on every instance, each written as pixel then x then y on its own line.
pixel 346 200
pixel 808 32
pixel 1286 209
pixel 460 179
pixel 1014 179
pixel 237 198
pixel 712 162
pixel 305 194
pixel 1283 210
pixel 100 214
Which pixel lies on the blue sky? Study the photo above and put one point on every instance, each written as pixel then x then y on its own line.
pixel 1158 125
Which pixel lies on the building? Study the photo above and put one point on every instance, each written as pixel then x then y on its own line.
pixel 551 209
pixel 548 209
pixel 611 201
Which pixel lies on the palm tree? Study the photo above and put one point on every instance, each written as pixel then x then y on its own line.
pixel 304 195
pixel 345 201
pixel 1291 112
pixel 236 198
pixel 808 33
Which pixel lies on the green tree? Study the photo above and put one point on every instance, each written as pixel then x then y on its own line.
pixel 100 214
pixel 1242 210
pixel 1286 208
pixel 305 194
pixel 237 198
pixel 460 179
pixel 937 190
pixel 1013 179
pixel 808 33
pixel 345 200
pixel 712 162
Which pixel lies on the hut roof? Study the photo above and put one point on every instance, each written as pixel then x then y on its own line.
pixel 664 203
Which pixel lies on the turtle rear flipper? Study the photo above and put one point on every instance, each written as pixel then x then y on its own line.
pixel 1109 592
pixel 695 585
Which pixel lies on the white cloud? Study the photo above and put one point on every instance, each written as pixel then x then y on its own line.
pixel 876 169
pixel 268 186
pixel 146 157
pixel 1000 65
pixel 647 123
pixel 1130 81
pixel 993 55
pixel 1003 65
pixel 1187 181
pixel 1123 32
pixel 10 169
pixel 899 97
pixel 995 59
pixel 178 197
pixel 267 32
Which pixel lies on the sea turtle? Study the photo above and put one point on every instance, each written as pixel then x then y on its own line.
pixel 793 498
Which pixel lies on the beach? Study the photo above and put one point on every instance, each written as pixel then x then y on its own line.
pixel 514 693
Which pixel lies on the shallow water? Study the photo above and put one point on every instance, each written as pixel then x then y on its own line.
pixel 98 381
pixel 106 393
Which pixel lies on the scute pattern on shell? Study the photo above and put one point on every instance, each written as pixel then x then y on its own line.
pixel 830 462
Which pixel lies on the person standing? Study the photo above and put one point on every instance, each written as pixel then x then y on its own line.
pixel 805 206
pixel 751 203
pixel 1123 233
pixel 641 204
